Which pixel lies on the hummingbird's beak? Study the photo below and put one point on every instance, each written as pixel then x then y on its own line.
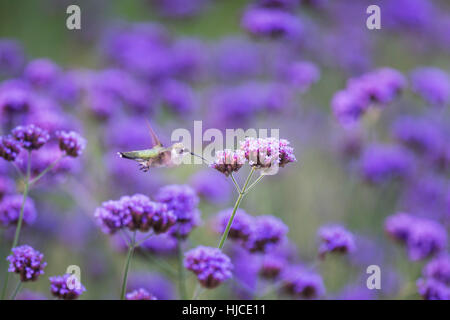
pixel 196 155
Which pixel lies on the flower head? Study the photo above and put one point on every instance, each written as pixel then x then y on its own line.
pixel 9 148
pixel 27 262
pixel 41 72
pixel 140 294
pixel 431 289
pixel 71 143
pixel 240 228
pixel 273 23
pixel 228 161
pixel 10 208
pixel 111 216
pixel 335 239
pixel 211 266
pixel 381 163
pixel 66 287
pixel 266 232
pixel 432 84
pixel 31 137
pixel 272 265
pixel 423 237
pixel 141 211
pixel 301 283
pixel 439 269
pixel 267 152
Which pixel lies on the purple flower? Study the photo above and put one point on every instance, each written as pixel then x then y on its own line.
pixel 419 134
pixel 439 269
pixel 272 23
pixel 12 57
pixel 71 143
pixel 264 153
pixel 111 216
pixel 423 237
pixel 432 84
pixel 15 98
pixel 163 219
pixel 303 284
pixel 241 226
pixel 66 287
pixel 426 238
pixel 9 148
pixel 378 87
pixel 431 289
pixel 67 88
pixel 211 186
pixel 381 163
pixel 272 266
pixel 266 232
pixel 145 214
pixel 26 262
pixel 140 294
pixel 10 210
pixel 181 199
pixel 31 137
pixel 237 58
pixel 41 72
pixel 189 57
pixel 335 239
pixel 211 266
pixel 300 74
pixel 178 97
pixel 228 161
pixel 348 107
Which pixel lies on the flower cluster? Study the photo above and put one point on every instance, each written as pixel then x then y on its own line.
pixel 140 294
pixel 256 234
pixel 10 207
pixel 272 23
pixel 211 266
pixel 228 161
pixel 267 152
pixel 378 87
pixel 136 213
pixel 382 163
pixel 9 148
pixel 301 283
pixel 31 137
pixel 71 143
pixel 335 239
pixel 66 287
pixel 432 84
pixel 435 284
pixel 27 262
pixel 423 237
pixel 182 201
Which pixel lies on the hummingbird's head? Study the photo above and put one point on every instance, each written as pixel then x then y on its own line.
pixel 178 151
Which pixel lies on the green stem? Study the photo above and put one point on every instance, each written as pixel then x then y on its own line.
pixel 181 278
pixel 235 183
pixel 50 167
pixel 254 183
pixel 16 291
pixel 20 221
pixel 236 206
pixel 127 267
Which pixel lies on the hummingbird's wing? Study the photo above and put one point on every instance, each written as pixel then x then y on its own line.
pixel 155 139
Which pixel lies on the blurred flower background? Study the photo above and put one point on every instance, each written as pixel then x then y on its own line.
pixel 366 111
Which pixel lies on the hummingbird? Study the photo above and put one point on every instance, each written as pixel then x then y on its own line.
pixel 158 155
